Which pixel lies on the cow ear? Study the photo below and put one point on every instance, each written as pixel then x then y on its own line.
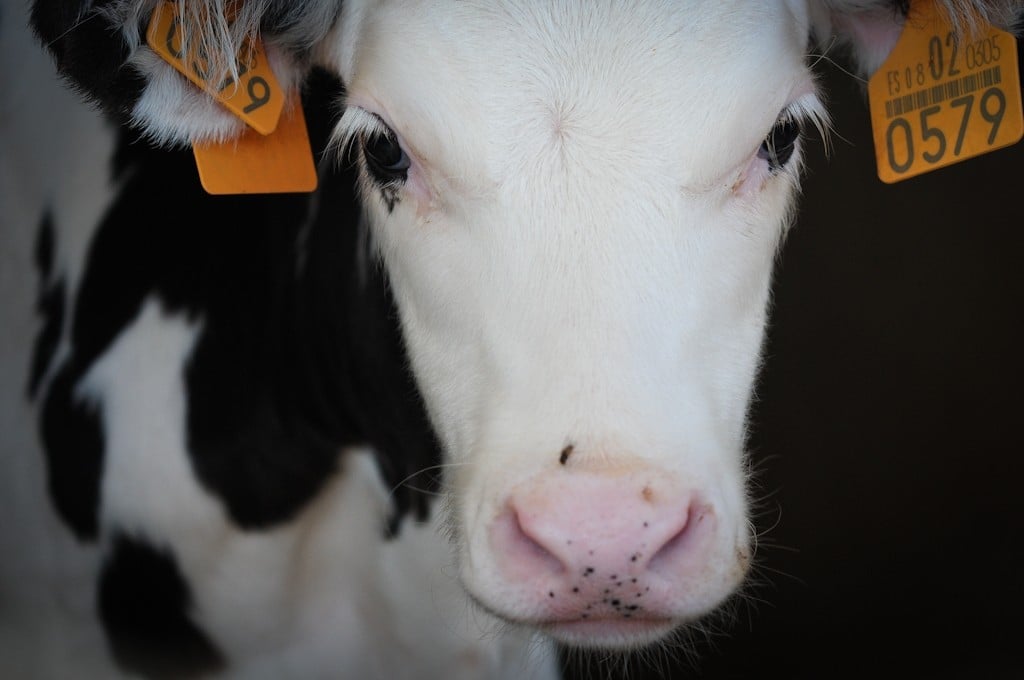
pixel 99 48
pixel 871 28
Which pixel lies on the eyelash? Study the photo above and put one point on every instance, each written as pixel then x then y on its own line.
pixel 778 147
pixel 385 159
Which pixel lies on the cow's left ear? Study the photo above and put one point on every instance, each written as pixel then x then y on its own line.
pixel 99 47
pixel 870 28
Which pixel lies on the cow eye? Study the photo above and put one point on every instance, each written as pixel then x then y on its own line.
pixel 777 148
pixel 385 158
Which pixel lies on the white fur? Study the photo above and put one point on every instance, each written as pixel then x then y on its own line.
pixel 578 238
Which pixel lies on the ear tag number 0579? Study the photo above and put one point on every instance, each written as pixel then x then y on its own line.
pixel 256 97
pixel 941 98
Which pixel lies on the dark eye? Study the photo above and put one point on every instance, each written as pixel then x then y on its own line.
pixel 385 159
pixel 777 148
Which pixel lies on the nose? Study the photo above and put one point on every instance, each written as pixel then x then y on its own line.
pixel 604 547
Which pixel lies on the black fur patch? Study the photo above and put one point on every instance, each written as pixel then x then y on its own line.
pixel 298 355
pixel 73 441
pixel 45 246
pixel 226 262
pixel 90 53
pixel 144 604
pixel 49 305
pixel 365 392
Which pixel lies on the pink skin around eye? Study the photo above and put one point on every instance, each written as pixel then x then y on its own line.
pixel 753 176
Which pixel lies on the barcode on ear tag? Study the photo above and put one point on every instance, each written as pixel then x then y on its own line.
pixel 281 162
pixel 255 96
pixel 941 98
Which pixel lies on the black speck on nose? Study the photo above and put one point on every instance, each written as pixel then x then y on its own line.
pixel 563 458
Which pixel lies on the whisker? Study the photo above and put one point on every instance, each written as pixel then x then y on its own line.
pixel 779 572
pixel 404 482
pixel 823 56
pixel 426 492
pixel 76 26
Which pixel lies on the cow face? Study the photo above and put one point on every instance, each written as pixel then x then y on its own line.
pixel 578 205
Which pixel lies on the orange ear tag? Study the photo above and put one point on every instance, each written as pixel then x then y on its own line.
pixel 940 99
pixel 256 97
pixel 274 154
pixel 258 164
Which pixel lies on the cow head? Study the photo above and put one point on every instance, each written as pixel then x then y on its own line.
pixel 578 205
pixel 581 265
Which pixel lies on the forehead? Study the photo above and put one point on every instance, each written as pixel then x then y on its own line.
pixel 706 78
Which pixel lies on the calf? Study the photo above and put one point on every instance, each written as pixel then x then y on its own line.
pixel 524 308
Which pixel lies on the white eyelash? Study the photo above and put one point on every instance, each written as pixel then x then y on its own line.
pixel 811 109
pixel 355 122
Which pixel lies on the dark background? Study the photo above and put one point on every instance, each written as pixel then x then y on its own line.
pixel 887 430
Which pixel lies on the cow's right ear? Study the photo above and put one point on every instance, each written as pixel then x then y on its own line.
pixel 871 28
pixel 99 47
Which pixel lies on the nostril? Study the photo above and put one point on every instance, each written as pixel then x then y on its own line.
pixel 683 544
pixel 523 553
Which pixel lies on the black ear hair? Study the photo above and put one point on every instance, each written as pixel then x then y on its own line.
pixel 870 28
pixel 89 52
